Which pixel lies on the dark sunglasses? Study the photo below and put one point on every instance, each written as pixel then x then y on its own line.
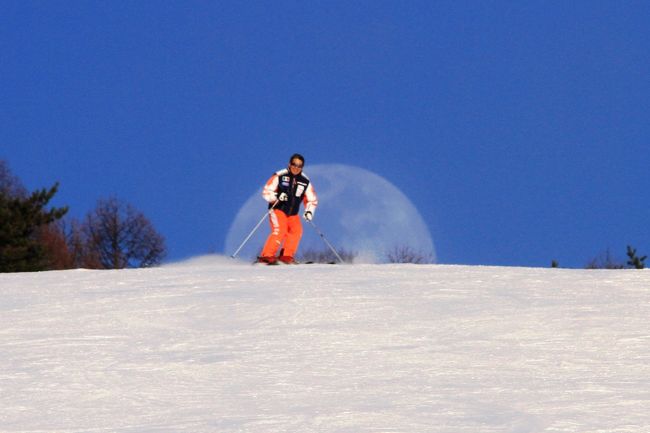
pixel 295 165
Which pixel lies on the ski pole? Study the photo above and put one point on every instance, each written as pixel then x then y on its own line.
pixel 234 255
pixel 320 233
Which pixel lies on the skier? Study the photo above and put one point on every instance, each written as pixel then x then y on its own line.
pixel 284 191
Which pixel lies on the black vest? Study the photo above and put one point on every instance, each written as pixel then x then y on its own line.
pixel 295 188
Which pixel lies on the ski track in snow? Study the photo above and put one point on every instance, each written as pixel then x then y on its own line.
pixel 213 345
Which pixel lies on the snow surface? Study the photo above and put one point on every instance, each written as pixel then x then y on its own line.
pixel 215 345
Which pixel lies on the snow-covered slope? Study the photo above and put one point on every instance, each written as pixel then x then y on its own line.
pixel 214 345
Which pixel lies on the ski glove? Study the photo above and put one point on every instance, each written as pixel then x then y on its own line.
pixel 308 215
pixel 283 197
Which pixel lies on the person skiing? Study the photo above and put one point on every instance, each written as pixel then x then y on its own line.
pixel 284 192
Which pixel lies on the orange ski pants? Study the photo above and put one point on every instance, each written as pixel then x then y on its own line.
pixel 285 230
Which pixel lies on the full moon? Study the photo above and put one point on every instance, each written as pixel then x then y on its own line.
pixel 359 212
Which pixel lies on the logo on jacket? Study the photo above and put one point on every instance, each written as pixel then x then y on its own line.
pixel 300 190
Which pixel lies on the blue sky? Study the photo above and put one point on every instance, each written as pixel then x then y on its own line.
pixel 519 130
